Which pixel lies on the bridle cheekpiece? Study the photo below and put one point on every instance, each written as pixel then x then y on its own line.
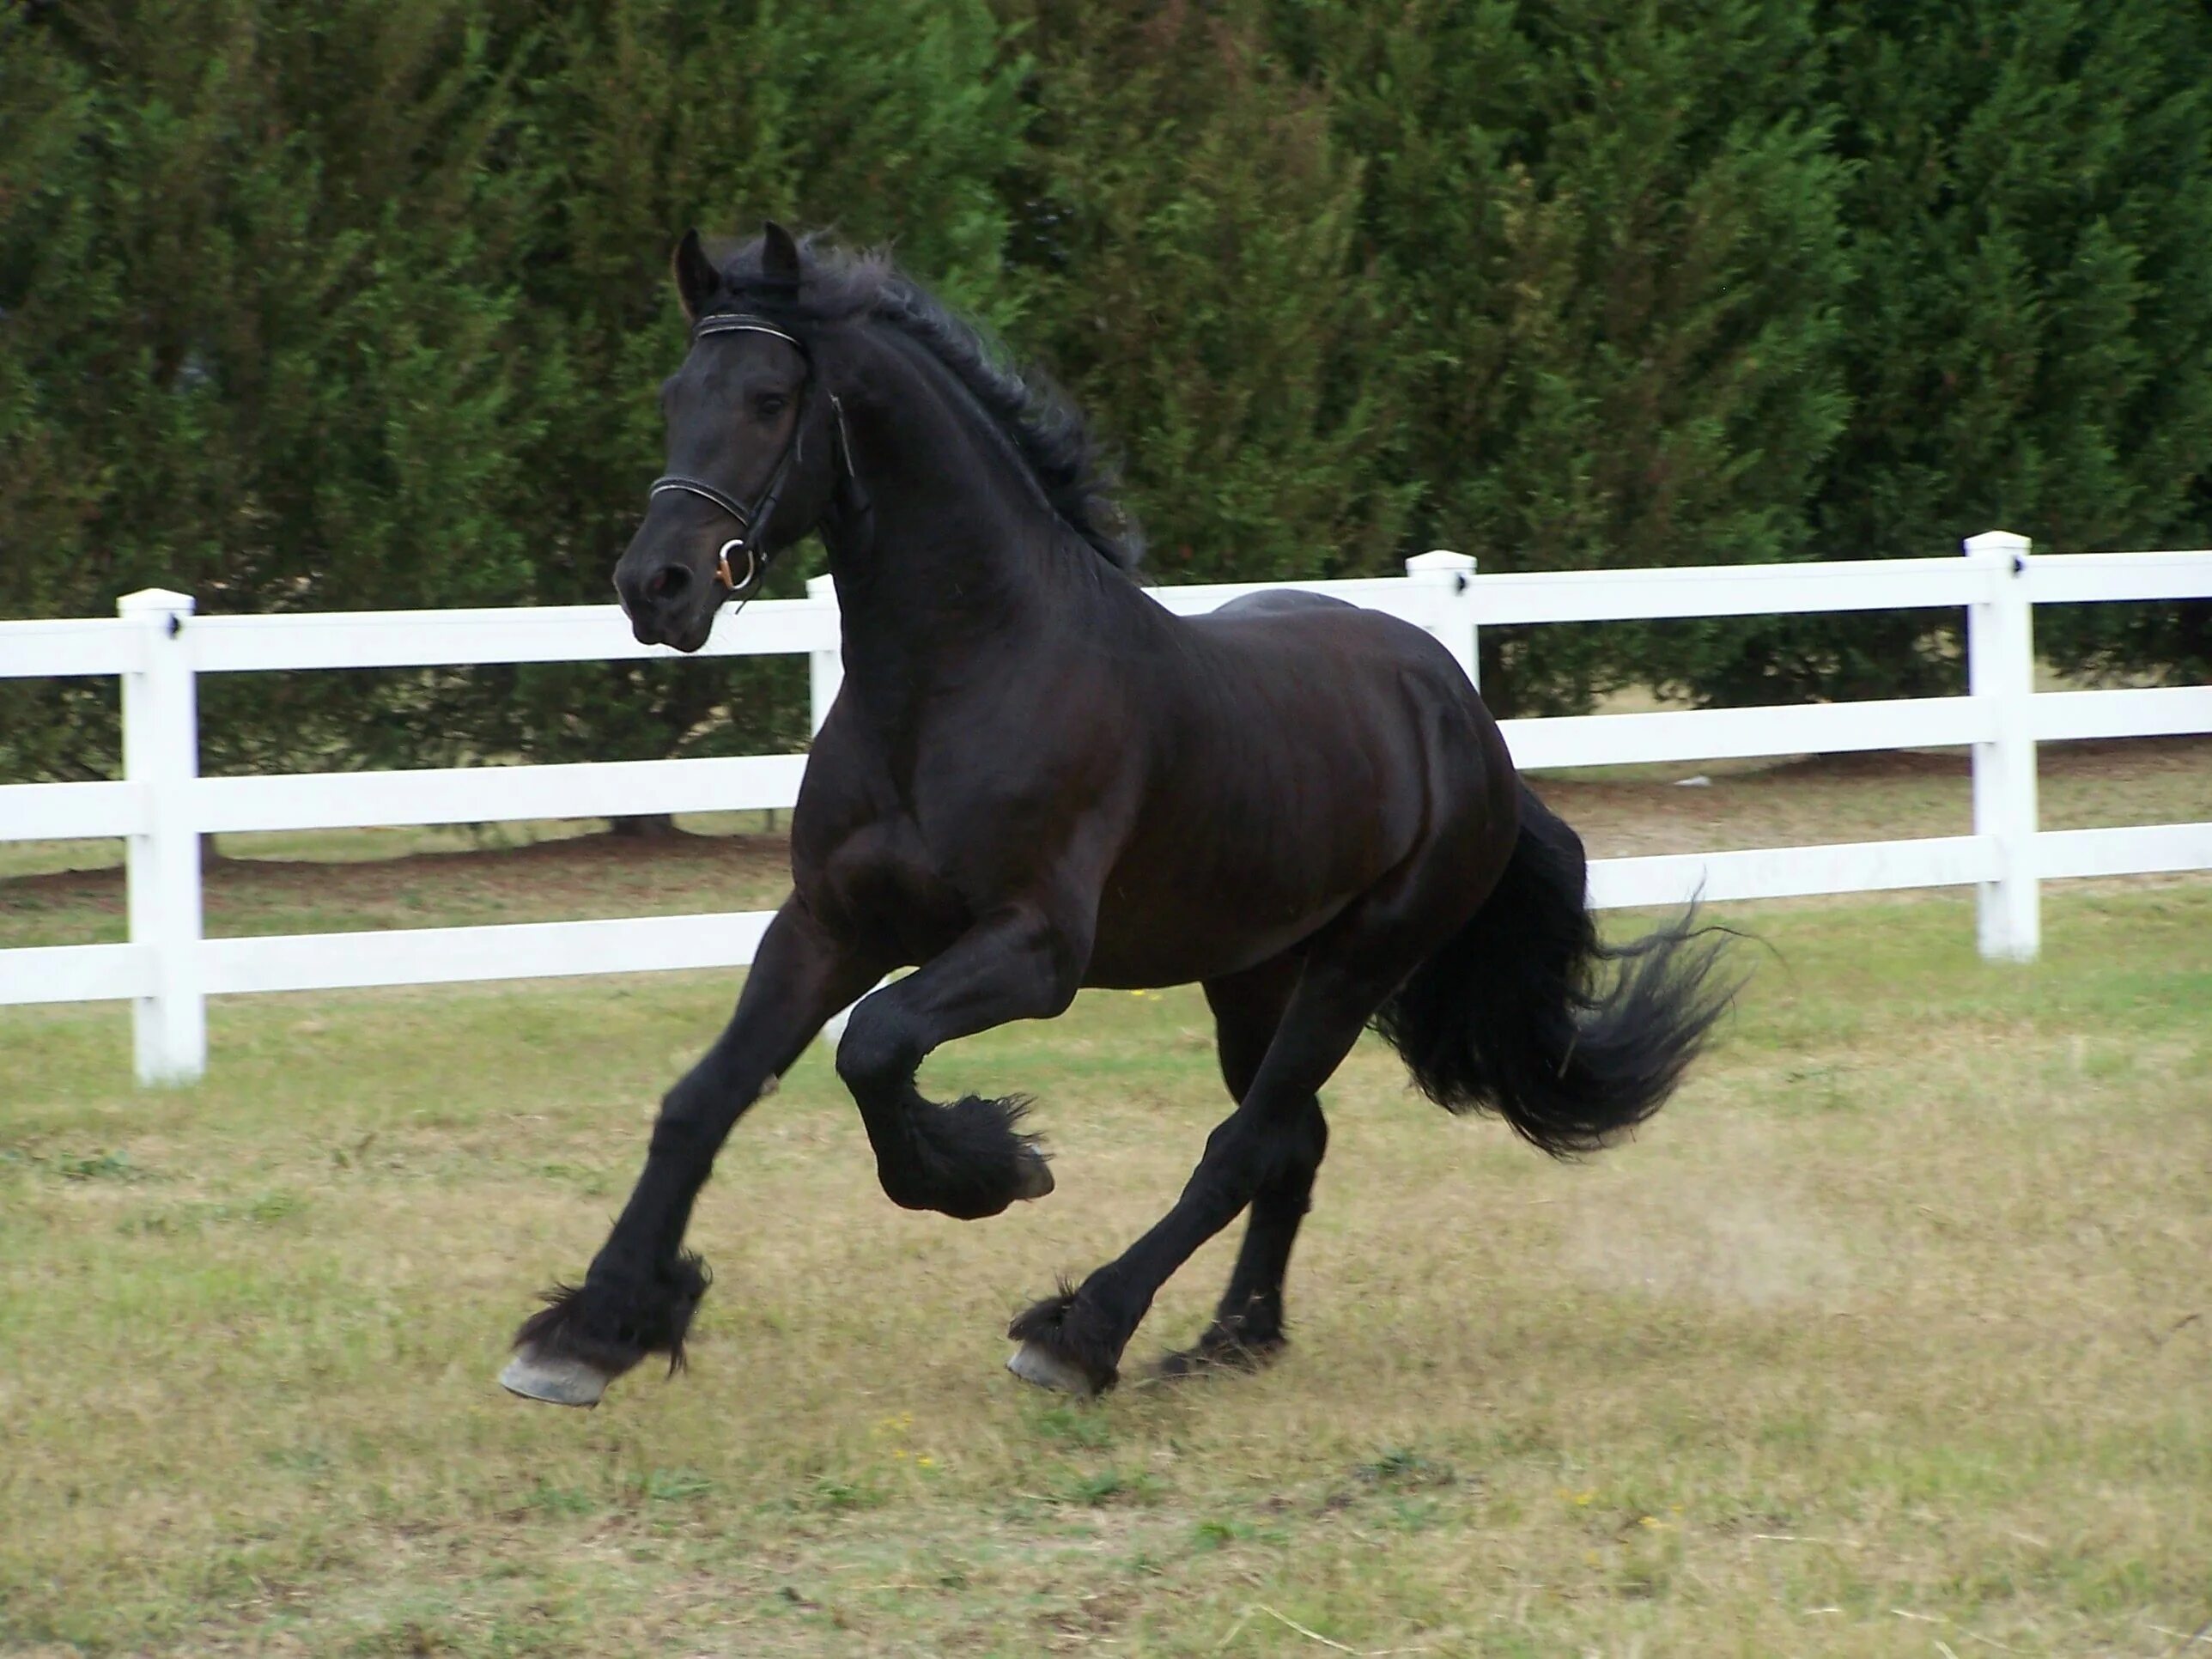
pixel 752 517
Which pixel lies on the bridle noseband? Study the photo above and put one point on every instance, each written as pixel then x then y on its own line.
pixel 751 518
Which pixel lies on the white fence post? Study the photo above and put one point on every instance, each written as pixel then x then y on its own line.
pixel 161 758
pixel 825 670
pixel 1454 573
pixel 2001 671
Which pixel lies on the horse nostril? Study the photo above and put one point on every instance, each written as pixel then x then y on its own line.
pixel 668 581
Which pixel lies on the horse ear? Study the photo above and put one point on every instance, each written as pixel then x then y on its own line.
pixel 779 256
pixel 697 281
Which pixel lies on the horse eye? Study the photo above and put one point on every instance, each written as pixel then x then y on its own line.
pixel 769 404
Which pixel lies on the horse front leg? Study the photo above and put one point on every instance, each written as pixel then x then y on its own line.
pixel 642 1287
pixel 965 1158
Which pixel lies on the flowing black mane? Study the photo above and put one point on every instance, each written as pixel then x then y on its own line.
pixel 1046 429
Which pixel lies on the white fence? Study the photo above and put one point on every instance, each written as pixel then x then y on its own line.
pixel 162 804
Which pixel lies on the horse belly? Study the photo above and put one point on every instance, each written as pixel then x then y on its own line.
pixel 1181 906
pixel 1136 948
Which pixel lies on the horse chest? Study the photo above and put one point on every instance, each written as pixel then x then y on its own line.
pixel 874 879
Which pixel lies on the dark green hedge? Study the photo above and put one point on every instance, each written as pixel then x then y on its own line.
pixel 363 304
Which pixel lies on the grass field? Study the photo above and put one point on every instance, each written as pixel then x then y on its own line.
pixel 1893 1334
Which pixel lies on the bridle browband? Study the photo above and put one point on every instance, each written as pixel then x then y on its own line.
pixel 753 517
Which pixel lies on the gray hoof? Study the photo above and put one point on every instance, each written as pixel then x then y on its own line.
pixel 1047 1370
pixel 556 1382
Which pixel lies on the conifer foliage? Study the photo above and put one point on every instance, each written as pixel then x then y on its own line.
pixel 363 304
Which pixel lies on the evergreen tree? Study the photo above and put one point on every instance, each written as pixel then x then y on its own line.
pixel 640 117
pixel 1188 223
pixel 2030 339
pixel 1609 236
pixel 242 359
pixel 363 304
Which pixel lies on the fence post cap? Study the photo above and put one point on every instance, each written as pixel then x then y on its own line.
pixel 152 602
pixel 1998 543
pixel 1440 559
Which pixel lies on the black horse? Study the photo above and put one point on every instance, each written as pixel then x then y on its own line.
pixel 1035 778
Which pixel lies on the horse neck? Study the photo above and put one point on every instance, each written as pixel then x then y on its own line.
pixel 959 553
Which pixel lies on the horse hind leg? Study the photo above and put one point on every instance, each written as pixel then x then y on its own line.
pixel 1074 1339
pixel 1248 1328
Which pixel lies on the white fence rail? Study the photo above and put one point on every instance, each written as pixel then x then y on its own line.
pixel 162 805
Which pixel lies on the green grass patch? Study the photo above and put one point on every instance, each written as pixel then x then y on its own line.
pixel 1892 1329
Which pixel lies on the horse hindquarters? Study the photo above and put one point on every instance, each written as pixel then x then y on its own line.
pixel 1513 1015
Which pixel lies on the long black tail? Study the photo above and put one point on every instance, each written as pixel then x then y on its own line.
pixel 1528 1013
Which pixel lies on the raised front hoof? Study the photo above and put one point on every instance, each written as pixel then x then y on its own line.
pixel 1033 1363
pixel 555 1381
pixel 1062 1347
pixel 966 1159
pixel 1033 1175
pixel 1218 1353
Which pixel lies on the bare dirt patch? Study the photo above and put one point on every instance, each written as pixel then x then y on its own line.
pixel 579 876
pixel 1880 796
pixel 1877 796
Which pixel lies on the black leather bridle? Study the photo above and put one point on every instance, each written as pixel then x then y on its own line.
pixel 753 517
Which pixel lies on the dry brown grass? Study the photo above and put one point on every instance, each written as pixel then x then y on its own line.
pixel 1892 1335
pixel 1877 796
pixel 564 875
pixel 71 892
